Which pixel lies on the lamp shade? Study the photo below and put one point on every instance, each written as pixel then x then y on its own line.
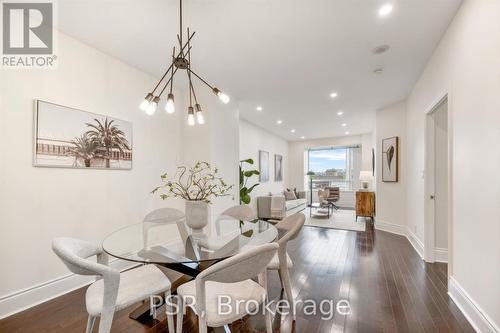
pixel 365 176
pixel 310 173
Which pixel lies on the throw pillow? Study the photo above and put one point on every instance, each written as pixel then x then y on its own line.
pixel 289 195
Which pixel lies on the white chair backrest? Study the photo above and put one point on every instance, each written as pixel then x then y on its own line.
pixel 164 216
pixel 292 224
pixel 241 267
pixel 74 253
pixel 239 213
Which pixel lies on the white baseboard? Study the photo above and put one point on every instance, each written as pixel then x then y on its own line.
pixel 390 227
pixel 415 242
pixel 29 297
pixel 441 254
pixel 476 317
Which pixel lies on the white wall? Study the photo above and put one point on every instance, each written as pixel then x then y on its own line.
pixel 216 142
pixel 38 204
pixel 253 139
pixel 391 197
pixel 466 66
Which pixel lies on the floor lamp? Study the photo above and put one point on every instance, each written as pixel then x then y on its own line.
pixel 310 174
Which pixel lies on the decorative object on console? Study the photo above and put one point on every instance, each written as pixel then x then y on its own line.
pixel 180 61
pixel 278 168
pixel 390 159
pixel 245 175
pixel 365 177
pixel 70 138
pixel 198 186
pixel 264 166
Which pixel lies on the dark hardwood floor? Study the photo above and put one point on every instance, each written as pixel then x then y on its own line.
pixel 390 289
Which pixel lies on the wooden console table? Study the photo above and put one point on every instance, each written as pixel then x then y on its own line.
pixel 365 204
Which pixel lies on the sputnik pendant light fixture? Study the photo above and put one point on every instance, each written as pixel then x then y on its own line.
pixel 180 61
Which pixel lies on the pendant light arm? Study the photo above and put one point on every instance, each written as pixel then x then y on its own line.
pixel 172 75
pixel 200 78
pixel 172 64
pixel 168 82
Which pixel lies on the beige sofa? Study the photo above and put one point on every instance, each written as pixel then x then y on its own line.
pixel 288 206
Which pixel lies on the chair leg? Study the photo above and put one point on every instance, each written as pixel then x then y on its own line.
pixel 281 279
pixel 180 313
pixel 169 309
pixel 288 289
pixel 90 324
pixel 269 322
pixel 202 324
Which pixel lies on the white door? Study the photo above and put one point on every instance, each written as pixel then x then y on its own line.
pixel 437 184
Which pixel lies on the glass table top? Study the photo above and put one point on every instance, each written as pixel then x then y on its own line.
pixel 165 244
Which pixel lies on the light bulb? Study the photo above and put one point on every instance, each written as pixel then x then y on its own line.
pixel 191 121
pixel 223 97
pixel 145 103
pixel 199 115
pixel 170 105
pixel 151 109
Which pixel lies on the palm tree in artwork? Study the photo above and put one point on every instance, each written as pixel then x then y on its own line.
pixel 84 148
pixel 108 136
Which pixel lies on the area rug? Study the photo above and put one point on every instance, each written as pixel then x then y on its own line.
pixel 340 219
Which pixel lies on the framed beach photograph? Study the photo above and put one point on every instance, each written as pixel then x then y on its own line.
pixel 66 137
pixel 278 168
pixel 390 159
pixel 263 166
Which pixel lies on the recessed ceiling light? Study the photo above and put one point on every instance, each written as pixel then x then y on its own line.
pixel 334 94
pixel 292 130
pixel 346 133
pixel 259 108
pixel 302 137
pixel 279 122
pixel 385 10
pixel 381 49
pixel 344 125
pixel 340 113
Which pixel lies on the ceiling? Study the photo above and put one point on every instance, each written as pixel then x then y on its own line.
pixel 284 55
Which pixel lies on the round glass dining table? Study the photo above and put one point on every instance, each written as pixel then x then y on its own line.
pixel 171 246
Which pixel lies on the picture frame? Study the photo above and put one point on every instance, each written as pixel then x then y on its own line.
pixel 278 168
pixel 66 137
pixel 263 166
pixel 390 159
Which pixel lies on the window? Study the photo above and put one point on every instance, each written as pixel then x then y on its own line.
pixel 335 167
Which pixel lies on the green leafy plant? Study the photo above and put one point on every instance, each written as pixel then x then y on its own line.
pixel 198 183
pixel 245 175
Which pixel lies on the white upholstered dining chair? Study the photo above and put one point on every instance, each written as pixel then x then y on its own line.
pixel 112 290
pixel 239 213
pixel 231 277
pixel 164 216
pixel 282 261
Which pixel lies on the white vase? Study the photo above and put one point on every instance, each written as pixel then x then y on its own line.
pixel 196 216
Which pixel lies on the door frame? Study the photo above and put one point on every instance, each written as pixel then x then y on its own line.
pixel 429 181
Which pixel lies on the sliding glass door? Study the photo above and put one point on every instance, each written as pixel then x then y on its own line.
pixel 335 167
